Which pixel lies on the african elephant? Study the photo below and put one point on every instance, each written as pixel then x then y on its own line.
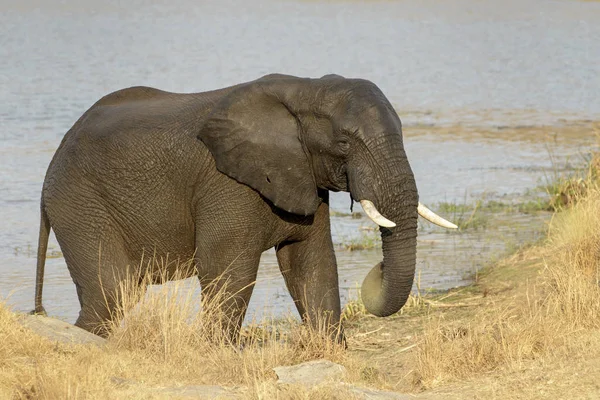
pixel 221 176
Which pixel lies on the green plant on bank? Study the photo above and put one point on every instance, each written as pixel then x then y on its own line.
pixel 354 310
pixel 562 190
pixel 464 215
pixel 532 206
pixel 367 241
pixel 353 215
pixel 524 207
pixel 478 214
pixel 565 191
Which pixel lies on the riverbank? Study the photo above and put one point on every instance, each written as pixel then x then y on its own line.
pixel 526 328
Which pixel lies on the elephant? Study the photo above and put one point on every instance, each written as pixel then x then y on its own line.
pixel 219 177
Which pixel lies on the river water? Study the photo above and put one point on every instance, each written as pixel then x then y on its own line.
pixel 495 98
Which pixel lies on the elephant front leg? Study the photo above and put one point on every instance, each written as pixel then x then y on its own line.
pixel 310 271
pixel 227 286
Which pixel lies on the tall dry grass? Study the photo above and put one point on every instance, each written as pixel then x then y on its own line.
pixel 32 367
pixel 550 317
pixel 572 266
pixel 172 327
pixel 170 338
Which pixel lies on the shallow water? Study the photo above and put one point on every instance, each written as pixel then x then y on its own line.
pixel 489 94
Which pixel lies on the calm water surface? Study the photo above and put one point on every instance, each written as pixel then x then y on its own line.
pixel 448 67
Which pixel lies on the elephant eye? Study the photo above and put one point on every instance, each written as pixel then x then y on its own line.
pixel 344 144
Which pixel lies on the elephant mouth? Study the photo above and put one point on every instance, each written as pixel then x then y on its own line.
pixel 423 211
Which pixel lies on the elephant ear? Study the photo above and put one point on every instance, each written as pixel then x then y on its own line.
pixel 255 140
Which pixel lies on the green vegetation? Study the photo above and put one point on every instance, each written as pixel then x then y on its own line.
pixel 564 191
pixel 353 215
pixel 482 207
pixel 367 241
pixel 466 216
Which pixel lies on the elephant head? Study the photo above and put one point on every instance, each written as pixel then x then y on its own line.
pixel 287 137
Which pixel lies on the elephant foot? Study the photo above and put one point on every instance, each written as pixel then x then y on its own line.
pixel 39 311
pixel 337 336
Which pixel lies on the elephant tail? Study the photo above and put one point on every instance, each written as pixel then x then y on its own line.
pixel 41 260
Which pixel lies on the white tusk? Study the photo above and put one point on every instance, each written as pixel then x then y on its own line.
pixel 375 216
pixel 434 218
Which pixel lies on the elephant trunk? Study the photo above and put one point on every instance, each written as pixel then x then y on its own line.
pixel 389 186
pixel 386 287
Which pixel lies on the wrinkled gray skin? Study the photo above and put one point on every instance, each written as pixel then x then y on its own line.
pixel 220 177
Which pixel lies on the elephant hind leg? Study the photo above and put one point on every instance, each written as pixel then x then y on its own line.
pixel 104 301
pixel 101 281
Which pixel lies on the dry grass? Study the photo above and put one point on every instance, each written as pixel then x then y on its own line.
pixel 505 338
pixel 32 367
pixel 170 328
pixel 572 267
pixel 551 317
pixel 166 340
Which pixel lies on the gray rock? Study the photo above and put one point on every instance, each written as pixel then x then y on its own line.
pixel 203 392
pixel 319 372
pixel 376 394
pixel 208 392
pixel 59 331
pixel 310 373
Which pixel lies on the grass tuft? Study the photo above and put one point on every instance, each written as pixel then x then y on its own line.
pixel 465 216
pixel 565 191
pixel 367 241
